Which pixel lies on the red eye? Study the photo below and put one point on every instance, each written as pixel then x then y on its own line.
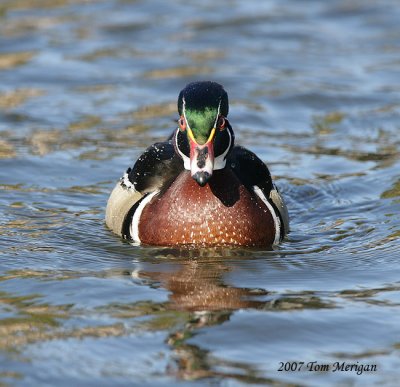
pixel 221 123
pixel 182 123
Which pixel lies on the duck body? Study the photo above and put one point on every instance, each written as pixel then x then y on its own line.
pixel 198 190
pixel 222 212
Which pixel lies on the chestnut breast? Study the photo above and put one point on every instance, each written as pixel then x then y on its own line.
pixel 222 213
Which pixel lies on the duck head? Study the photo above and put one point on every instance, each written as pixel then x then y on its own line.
pixel 204 137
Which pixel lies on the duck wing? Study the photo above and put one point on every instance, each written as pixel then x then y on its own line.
pixel 155 169
pixel 255 176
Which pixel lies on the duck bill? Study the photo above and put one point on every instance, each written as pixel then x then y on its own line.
pixel 201 158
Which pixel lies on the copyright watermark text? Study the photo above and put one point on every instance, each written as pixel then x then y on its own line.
pixel 337 366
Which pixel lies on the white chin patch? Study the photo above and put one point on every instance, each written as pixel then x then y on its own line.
pixel 186 162
pixel 220 162
pixel 186 159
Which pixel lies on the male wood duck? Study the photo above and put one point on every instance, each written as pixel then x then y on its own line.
pixel 198 188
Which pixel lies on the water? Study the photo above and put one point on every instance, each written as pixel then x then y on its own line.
pixel 87 85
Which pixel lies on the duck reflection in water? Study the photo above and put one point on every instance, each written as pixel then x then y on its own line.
pixel 201 297
pixel 197 286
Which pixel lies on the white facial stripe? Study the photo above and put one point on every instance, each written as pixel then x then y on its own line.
pixel 216 119
pixel 134 228
pixel 277 221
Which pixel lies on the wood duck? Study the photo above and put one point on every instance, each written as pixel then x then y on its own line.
pixel 198 188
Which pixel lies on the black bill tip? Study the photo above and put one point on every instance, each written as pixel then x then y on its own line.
pixel 201 178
